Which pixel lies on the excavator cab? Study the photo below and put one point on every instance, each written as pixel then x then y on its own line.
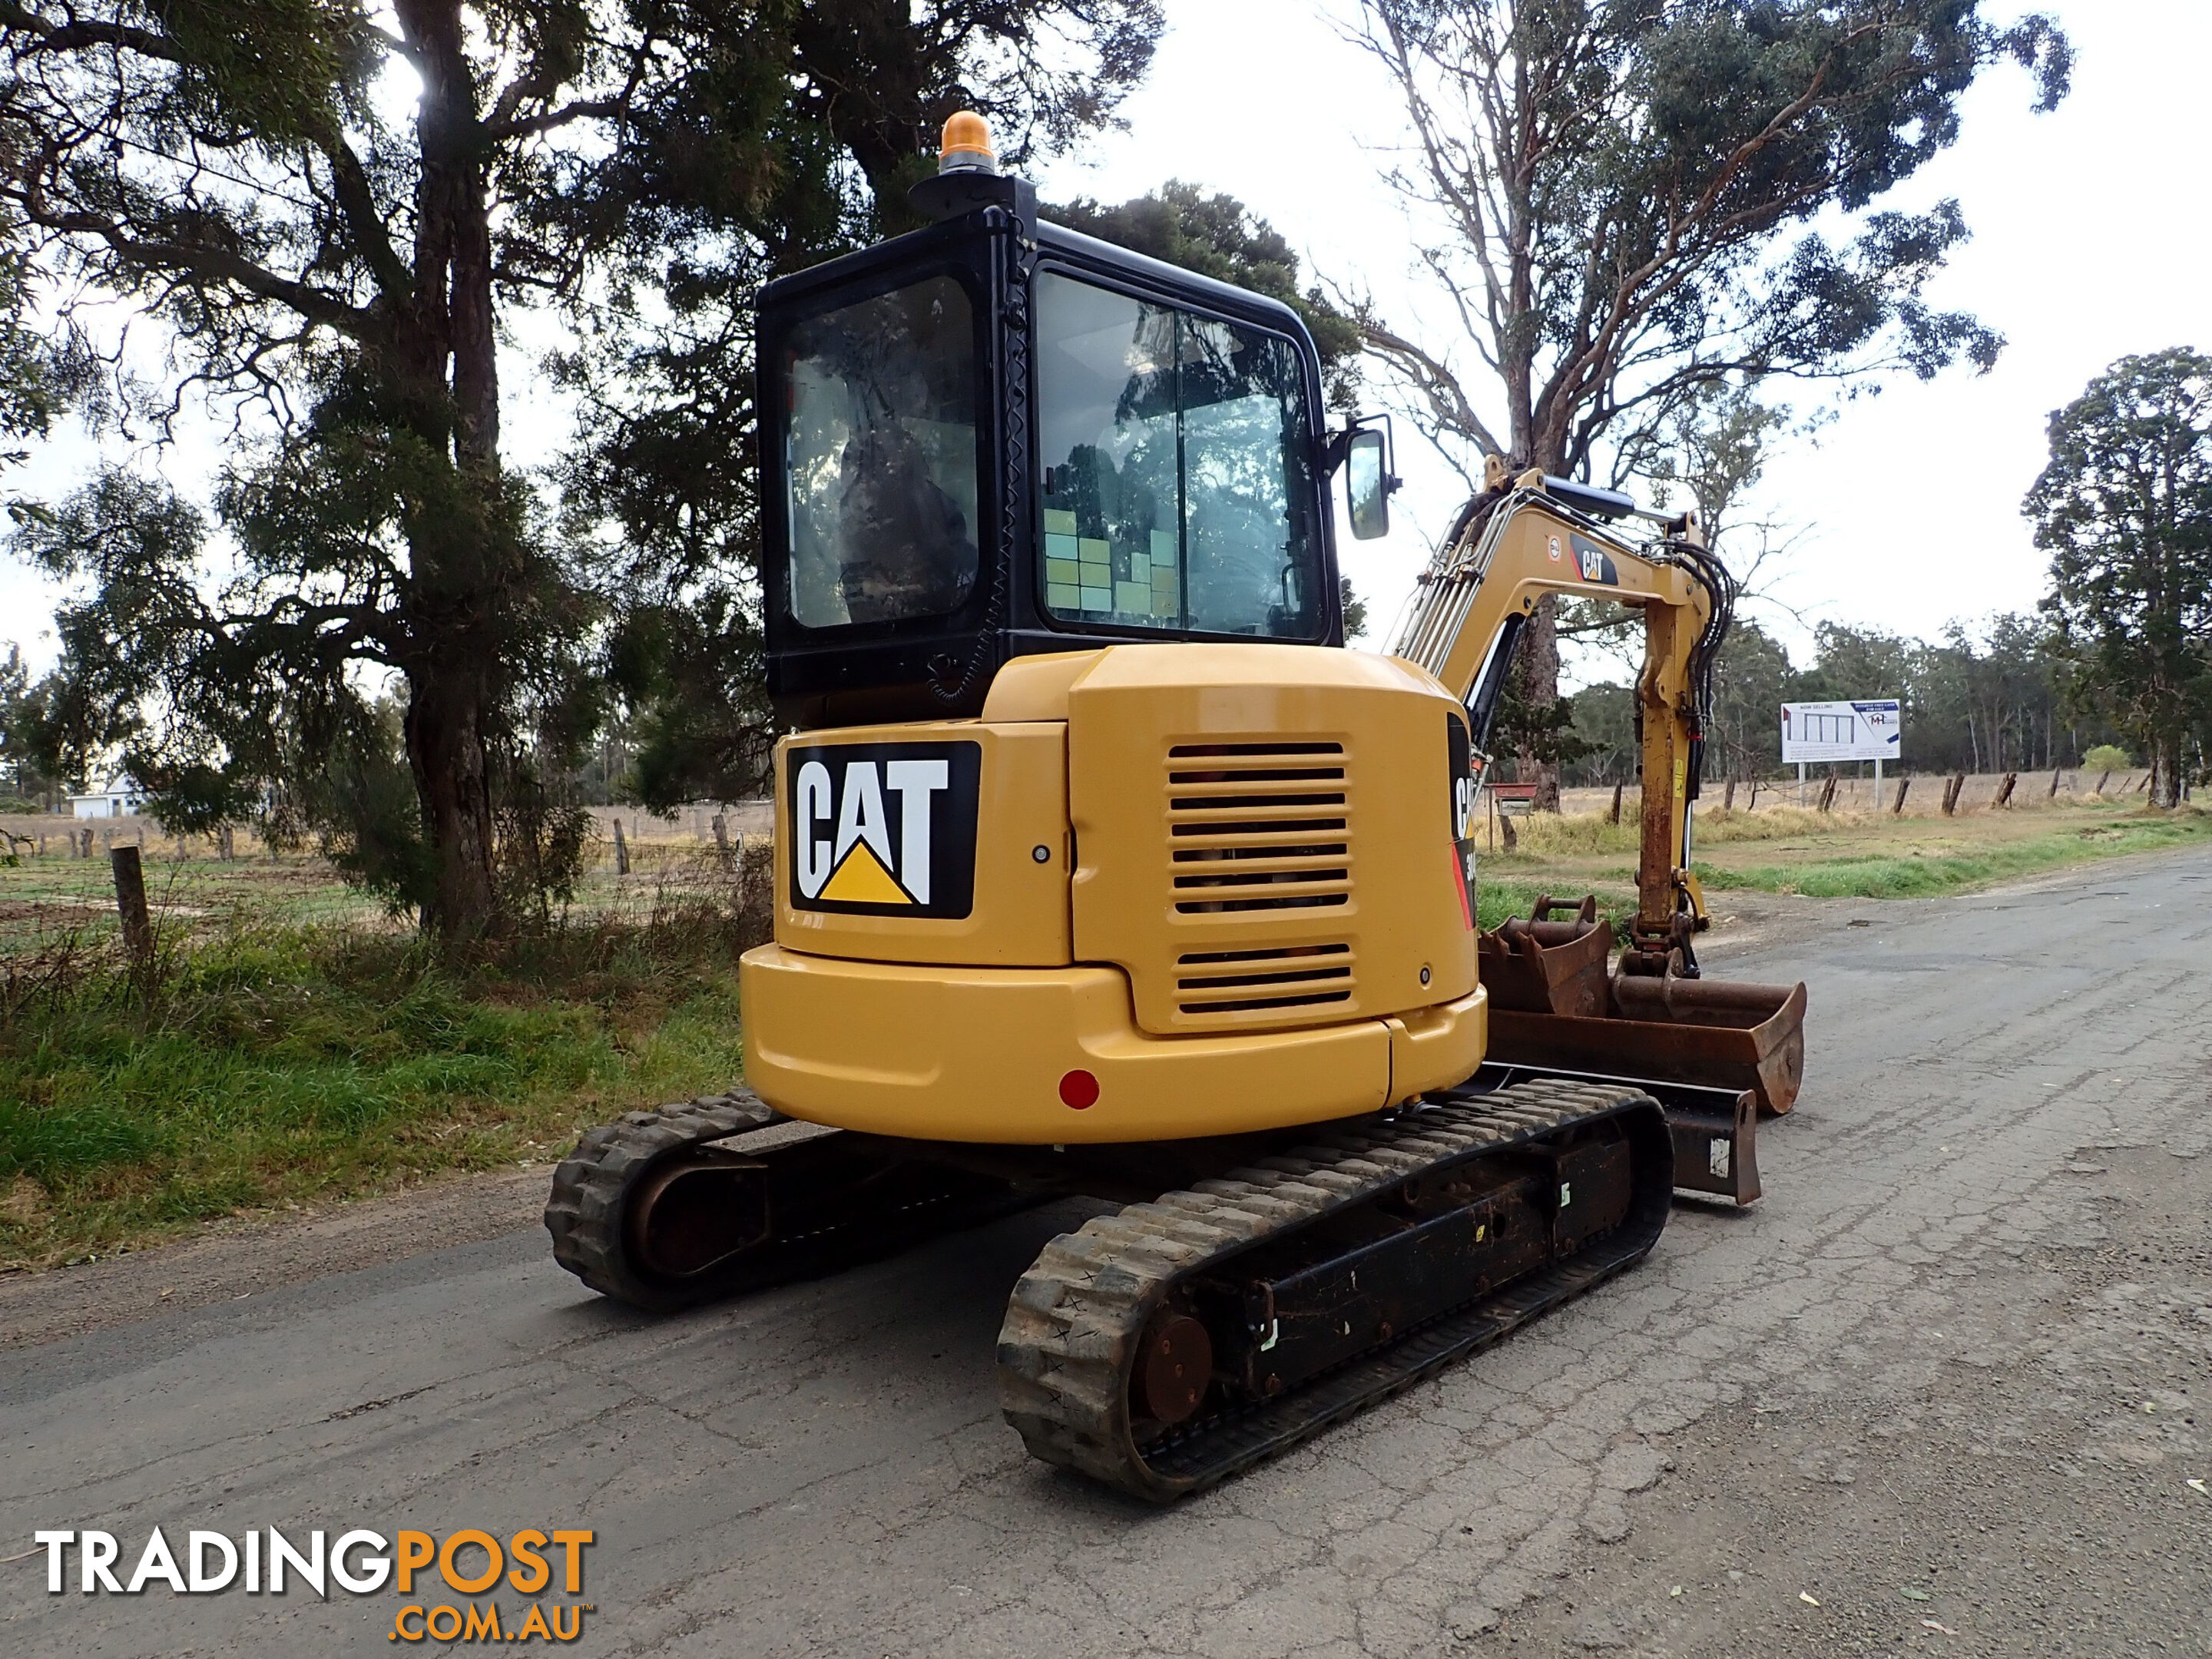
pixel 995 437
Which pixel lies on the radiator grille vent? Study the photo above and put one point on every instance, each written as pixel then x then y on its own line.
pixel 1262 981
pixel 1258 827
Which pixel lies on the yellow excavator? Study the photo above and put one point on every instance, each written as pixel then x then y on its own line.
pixel 1100 872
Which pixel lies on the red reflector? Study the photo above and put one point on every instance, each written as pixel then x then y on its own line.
pixel 1078 1090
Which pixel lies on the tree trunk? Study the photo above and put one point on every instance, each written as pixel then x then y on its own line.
pixel 2166 772
pixel 447 709
pixel 445 378
pixel 1540 685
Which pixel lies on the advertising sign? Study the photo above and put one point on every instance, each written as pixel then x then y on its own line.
pixel 1869 730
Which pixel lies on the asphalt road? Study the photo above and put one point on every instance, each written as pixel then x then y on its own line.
pixel 1942 1390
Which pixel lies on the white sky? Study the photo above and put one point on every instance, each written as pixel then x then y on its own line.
pixel 2092 240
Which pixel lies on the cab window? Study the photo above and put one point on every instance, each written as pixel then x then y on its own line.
pixel 1176 493
pixel 880 456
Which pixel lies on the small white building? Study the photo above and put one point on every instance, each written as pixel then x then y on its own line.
pixel 120 797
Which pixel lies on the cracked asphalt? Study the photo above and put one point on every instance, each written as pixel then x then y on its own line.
pixel 1944 1389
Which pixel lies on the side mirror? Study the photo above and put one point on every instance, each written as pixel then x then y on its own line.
pixel 1367 483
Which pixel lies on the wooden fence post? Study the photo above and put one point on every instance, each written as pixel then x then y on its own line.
pixel 2052 794
pixel 1614 815
pixel 1727 795
pixel 622 851
pixel 130 905
pixel 1897 806
pixel 2102 781
pixel 2004 790
pixel 722 841
pixel 1952 792
pixel 1828 792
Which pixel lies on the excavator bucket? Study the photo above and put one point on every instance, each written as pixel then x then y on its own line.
pixel 1545 967
pixel 1736 1045
pixel 1749 1037
pixel 1727 1034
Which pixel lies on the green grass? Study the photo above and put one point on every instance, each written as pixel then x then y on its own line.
pixel 276 1063
pixel 1923 875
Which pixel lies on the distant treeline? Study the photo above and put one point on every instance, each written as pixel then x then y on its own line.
pixel 1994 703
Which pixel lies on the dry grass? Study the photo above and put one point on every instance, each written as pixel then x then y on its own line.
pixel 1791 850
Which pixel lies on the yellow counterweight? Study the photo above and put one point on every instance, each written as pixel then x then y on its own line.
pixel 1153 892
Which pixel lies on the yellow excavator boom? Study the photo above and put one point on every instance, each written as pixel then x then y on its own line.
pixel 1521 542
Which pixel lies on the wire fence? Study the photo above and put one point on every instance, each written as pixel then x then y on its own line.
pixel 58 878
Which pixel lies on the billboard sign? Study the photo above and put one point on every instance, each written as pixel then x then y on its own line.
pixel 1870 731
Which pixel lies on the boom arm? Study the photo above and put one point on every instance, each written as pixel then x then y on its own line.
pixel 1518 542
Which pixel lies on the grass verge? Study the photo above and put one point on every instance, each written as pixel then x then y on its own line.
pixel 273 1064
pixel 1916 874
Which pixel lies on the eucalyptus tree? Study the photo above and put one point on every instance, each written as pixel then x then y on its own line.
pixel 1635 201
pixel 346 219
pixel 2124 508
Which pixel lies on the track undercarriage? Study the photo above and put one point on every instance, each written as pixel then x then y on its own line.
pixel 1250 1292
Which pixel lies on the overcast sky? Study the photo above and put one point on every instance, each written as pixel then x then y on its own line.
pixel 2091 231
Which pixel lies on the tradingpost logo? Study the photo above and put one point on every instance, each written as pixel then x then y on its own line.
pixel 883 829
pixel 443 1575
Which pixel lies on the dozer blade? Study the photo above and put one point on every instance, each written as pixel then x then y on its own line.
pixel 1717 1034
pixel 1715 1131
pixel 1545 967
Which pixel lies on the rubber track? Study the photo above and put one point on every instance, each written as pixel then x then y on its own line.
pixel 1074 1321
pixel 584 1213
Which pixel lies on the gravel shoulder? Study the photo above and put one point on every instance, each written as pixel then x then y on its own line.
pixel 1999 1466
pixel 235 1258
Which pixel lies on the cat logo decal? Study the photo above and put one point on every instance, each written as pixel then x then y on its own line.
pixel 884 829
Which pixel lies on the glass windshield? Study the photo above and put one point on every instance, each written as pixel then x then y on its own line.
pixel 1176 488
pixel 879 456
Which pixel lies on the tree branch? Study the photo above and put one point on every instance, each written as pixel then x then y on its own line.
pixel 214 265
pixel 76 33
pixel 1434 382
